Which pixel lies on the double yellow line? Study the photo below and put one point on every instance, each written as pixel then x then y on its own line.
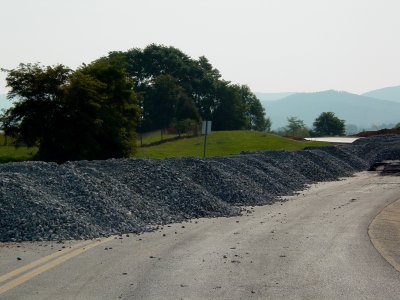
pixel 37 267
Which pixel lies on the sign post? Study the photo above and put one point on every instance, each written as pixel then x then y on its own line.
pixel 205 129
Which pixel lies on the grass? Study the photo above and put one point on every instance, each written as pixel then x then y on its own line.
pixel 223 143
pixel 153 136
pixel 11 153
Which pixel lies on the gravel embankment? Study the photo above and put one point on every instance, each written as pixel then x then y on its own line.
pixel 87 199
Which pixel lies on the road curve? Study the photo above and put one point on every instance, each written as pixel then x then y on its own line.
pixel 313 246
pixel 384 232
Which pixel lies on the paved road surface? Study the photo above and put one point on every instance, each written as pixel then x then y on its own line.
pixel 335 140
pixel 314 246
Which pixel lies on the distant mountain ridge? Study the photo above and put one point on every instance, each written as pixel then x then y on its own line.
pixel 361 111
pixel 389 93
pixel 272 96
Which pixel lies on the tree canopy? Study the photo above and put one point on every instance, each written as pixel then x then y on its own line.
pixel 329 125
pixel 87 114
pixel 164 76
pixel 296 127
pixel 95 111
pixel 39 91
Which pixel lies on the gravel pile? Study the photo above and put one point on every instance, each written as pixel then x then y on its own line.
pixel 80 200
pixel 378 148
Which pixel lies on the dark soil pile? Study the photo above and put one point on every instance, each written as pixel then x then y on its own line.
pixel 378 132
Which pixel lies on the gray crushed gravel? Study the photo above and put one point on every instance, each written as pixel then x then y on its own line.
pixel 88 199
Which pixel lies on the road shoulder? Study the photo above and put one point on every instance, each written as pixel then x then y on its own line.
pixel 384 232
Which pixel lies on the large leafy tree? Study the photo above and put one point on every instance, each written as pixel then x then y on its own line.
pixel 39 96
pixel 87 114
pixel 166 102
pixel 154 60
pixel 229 113
pixel 205 85
pixel 119 112
pixel 254 112
pixel 165 75
pixel 328 124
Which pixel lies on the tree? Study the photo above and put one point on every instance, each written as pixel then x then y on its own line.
pixel 229 114
pixel 165 102
pixel 163 74
pixel 254 112
pixel 39 98
pixel 205 85
pixel 166 78
pixel 296 127
pixel 155 60
pixel 328 124
pixel 118 112
pixel 185 109
pixel 397 125
pixel 87 114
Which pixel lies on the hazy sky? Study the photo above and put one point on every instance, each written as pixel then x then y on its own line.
pixel 271 45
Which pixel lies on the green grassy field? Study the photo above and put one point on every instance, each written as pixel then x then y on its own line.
pixel 222 143
pixel 219 143
pixel 11 153
pixel 153 136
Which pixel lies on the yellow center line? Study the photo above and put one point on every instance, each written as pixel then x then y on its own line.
pixel 35 272
pixel 39 262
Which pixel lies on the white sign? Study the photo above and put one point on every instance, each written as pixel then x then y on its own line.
pixel 206 127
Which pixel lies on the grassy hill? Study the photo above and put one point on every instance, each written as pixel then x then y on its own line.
pixel 154 137
pixel 221 143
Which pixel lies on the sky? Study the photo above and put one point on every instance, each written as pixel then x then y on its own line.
pixel 270 45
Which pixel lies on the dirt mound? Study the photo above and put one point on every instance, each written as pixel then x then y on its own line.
pixel 378 132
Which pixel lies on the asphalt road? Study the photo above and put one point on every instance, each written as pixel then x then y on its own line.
pixel 313 246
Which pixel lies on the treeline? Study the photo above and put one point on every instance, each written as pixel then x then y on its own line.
pixel 326 124
pixel 174 88
pixel 95 111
